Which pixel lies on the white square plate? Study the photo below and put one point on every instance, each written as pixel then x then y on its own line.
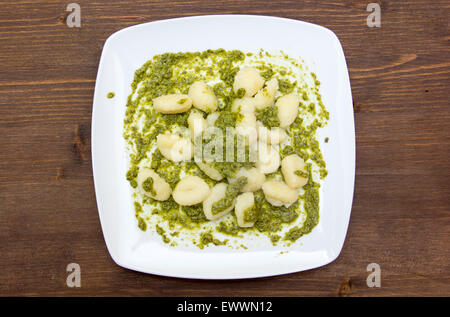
pixel 127 50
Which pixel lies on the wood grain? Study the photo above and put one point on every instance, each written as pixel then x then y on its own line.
pixel 400 76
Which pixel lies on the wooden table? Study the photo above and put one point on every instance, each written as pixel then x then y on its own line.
pixel 401 211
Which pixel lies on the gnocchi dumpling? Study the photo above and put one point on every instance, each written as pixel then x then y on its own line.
pixel 202 97
pixel 243 105
pixel 268 159
pixel 209 170
pixel 265 96
pixel 294 171
pixel 245 210
pixel 248 78
pixel 191 190
pixel 174 103
pixel 217 193
pixel 255 179
pixel 287 109
pixel 278 194
pixel 211 118
pixel 153 185
pixel 197 124
pixel 271 136
pixel 174 147
pixel 246 124
pixel 247 120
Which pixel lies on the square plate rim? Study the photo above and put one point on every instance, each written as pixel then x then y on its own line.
pixel 94 123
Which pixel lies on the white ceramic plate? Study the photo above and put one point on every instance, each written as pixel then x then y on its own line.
pixel 126 50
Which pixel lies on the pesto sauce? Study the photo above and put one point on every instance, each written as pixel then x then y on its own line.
pixel 251 214
pixel 311 198
pixel 174 73
pixel 162 233
pixel 141 222
pixel 285 86
pixel 269 116
pixel 274 238
pixel 195 213
pixel 226 119
pixel 206 238
pixel 132 174
pixel 301 173
pixel 240 93
pixel 147 185
pixel 270 218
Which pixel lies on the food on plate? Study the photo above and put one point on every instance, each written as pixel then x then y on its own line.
pixel 224 144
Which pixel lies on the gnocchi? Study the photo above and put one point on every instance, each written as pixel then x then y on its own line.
pixel 159 188
pixel 287 109
pixel 243 105
pixel 255 179
pixel 265 96
pixel 277 193
pixel 244 203
pixel 171 104
pixel 191 190
pixel 268 159
pixel 246 125
pixel 174 147
pixel 202 97
pixel 291 166
pixel 271 136
pixel 197 124
pixel 248 120
pixel 210 171
pixel 211 118
pixel 248 78
pixel 217 193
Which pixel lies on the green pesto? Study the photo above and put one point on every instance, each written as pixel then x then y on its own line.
pixel 301 173
pixel 285 86
pixel 270 218
pixel 137 211
pixel 267 74
pixel 162 233
pixel 269 116
pixel 229 169
pixel 226 119
pixel 274 238
pixel 137 208
pixel 305 96
pixel 131 176
pixel 110 95
pixel 305 144
pixel 142 224
pixel 147 185
pixel 251 214
pixel 175 119
pixel 207 238
pixel 231 193
pixel 230 228
pixel 240 93
pixel 311 197
pixel 174 73
pixel 195 213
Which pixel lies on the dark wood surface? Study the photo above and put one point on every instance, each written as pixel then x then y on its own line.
pixel 401 211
